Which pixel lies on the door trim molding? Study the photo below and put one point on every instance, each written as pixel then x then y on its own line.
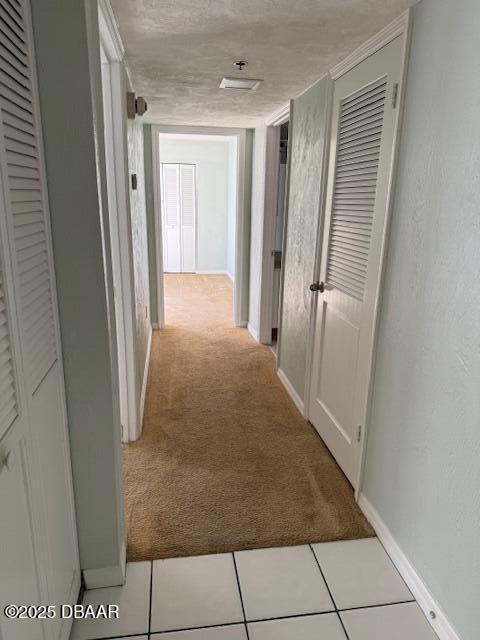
pixel 241 276
pixel 112 44
pixel 399 26
pixel 108 25
pixel 270 205
pixel 413 580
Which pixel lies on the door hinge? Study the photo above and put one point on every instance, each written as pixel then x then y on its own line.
pixel 359 433
pixel 395 95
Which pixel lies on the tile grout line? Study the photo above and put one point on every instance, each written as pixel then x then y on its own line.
pixel 376 606
pixel 220 625
pixel 329 592
pixel 231 624
pixel 241 597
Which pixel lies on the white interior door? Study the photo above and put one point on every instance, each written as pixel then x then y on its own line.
pixel 187 213
pixel 38 550
pixel 171 217
pixel 364 122
pixel 179 213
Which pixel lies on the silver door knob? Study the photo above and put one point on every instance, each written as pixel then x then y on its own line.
pixel 317 286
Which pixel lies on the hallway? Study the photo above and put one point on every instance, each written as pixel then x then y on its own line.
pixel 225 461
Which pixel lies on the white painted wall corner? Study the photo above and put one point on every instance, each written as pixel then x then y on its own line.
pixel 414 582
pixel 107 576
pixel 291 392
pixel 253 332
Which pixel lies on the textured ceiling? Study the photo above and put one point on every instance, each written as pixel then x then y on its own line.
pixel 179 50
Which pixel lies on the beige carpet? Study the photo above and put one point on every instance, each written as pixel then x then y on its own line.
pixel 225 461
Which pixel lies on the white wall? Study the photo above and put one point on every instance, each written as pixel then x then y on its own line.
pixel 70 90
pixel 232 207
pixel 213 175
pixel 256 229
pixel 139 253
pixel 423 459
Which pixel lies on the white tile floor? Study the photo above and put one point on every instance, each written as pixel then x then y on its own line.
pixel 329 591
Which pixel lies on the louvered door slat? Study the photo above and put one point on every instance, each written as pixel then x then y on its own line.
pixel 11 36
pixel 25 194
pixel 187 200
pixel 353 201
pixel 13 26
pixel 8 397
pixel 187 197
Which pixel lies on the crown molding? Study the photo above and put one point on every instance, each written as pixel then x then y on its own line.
pixel 396 28
pixel 108 25
pixel 279 117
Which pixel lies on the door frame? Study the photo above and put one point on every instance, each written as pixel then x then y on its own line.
pixel 269 214
pixel 399 27
pixel 112 45
pixel 241 275
pixel 162 212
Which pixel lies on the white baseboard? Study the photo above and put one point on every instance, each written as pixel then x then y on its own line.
pixel 144 382
pixel 155 326
pixel 414 582
pixel 252 331
pixel 291 391
pixel 231 276
pixel 107 576
pixel 243 324
pixel 212 272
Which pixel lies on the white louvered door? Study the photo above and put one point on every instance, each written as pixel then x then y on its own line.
pixel 171 217
pixel 187 210
pixel 178 217
pixel 364 121
pixel 37 523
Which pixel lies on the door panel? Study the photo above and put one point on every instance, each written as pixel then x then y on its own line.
pixel 337 377
pixel 41 483
pixel 187 205
pixel 171 217
pixel 18 583
pixel 364 122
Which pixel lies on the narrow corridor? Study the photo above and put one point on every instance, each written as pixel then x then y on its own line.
pixel 225 461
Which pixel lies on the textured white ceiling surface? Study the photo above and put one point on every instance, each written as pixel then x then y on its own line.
pixel 179 50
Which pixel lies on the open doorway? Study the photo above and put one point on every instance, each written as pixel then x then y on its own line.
pixel 279 227
pixel 274 224
pixel 198 206
pixel 199 202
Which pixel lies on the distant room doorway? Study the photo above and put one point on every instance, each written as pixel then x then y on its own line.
pixel 200 229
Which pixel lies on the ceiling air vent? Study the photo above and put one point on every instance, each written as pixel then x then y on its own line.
pixel 247 84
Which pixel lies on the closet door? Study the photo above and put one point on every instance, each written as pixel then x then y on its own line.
pixel 170 190
pixel 31 292
pixel 19 574
pixel 187 206
pixel 364 125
